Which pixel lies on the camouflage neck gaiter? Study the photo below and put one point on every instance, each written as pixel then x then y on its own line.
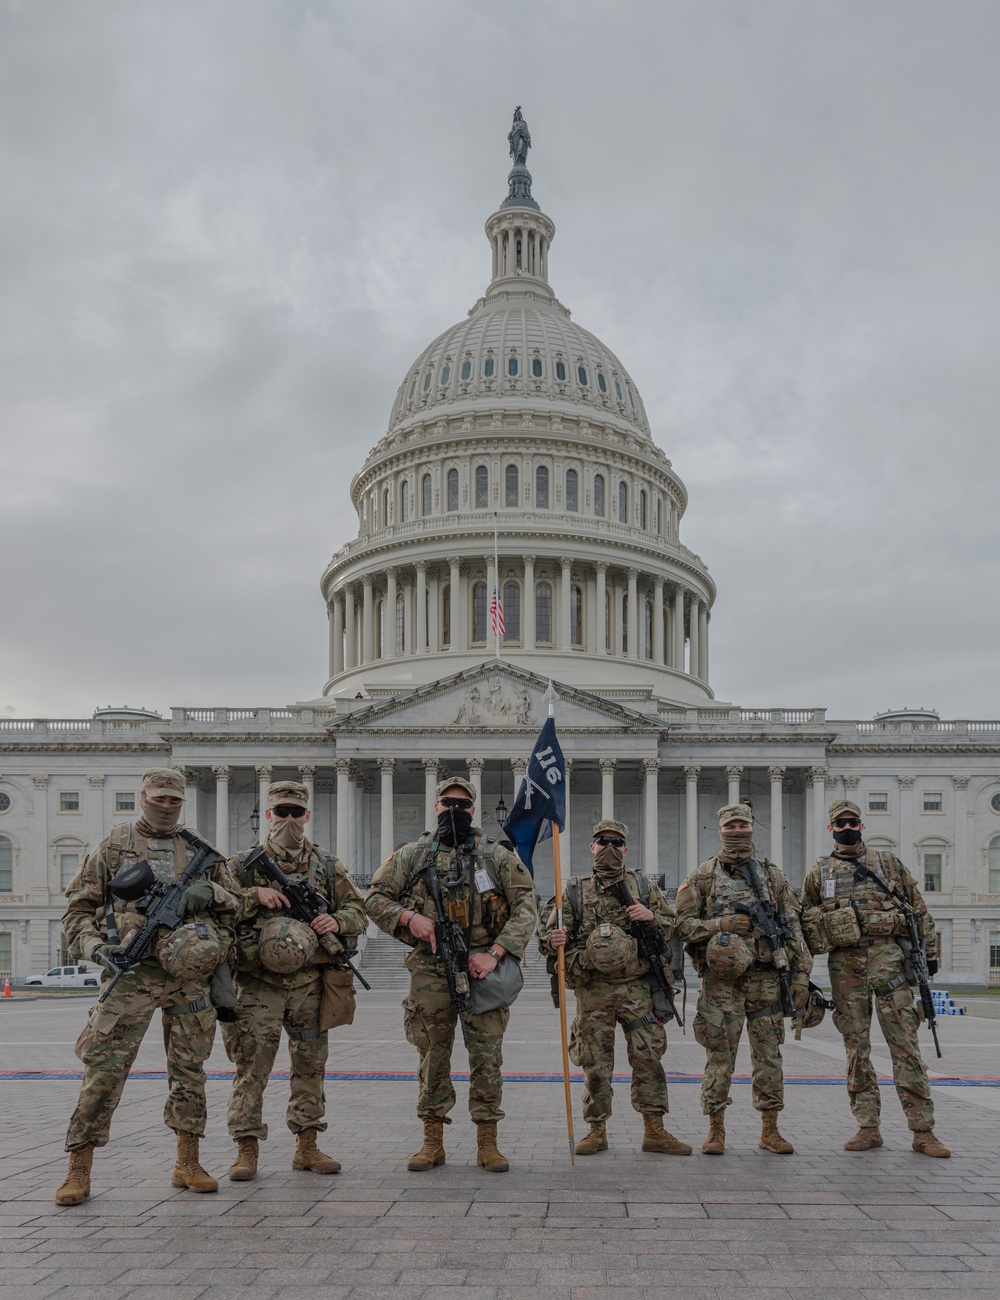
pixel 609 864
pixel 156 822
pixel 737 846
pixel 850 851
pixel 287 834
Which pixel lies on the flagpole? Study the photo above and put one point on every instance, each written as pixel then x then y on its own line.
pixel 561 965
pixel 496 576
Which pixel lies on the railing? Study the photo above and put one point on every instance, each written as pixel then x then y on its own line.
pixel 17 724
pixel 993 979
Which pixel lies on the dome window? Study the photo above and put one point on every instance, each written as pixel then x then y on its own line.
pixel 512 366
pixel 466 370
pixel 488 368
pixel 599 495
pixel 482 487
pixel 512 611
pixel 561 372
pixel 510 486
pixel 427 380
pixel 542 488
pixel 602 383
pixel 479 613
pixel 631 399
pixel 572 490
pixel 536 368
pixel 576 614
pixel 543 614
pixel 618 391
pixel 404 501
pixel 452 490
pixel 445 375
pixel 400 624
pixel 623 503
pixel 425 494
pixel 581 374
pixel 642 508
pixel 413 387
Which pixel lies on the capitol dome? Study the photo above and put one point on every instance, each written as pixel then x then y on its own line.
pixel 518 459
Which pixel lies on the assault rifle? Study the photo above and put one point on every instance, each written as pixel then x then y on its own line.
pixel 652 949
pixel 773 928
pixel 305 904
pixel 451 951
pixel 158 899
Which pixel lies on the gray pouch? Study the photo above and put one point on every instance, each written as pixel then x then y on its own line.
pixel 499 988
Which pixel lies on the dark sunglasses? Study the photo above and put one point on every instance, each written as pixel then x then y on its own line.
pixel 610 839
pixel 285 811
pixel 458 803
pixel 847 823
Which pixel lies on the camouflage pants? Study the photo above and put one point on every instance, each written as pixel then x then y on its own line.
pixel 111 1038
pixel 723 1006
pixel 252 1041
pixel 600 1007
pixel 429 1019
pixel 856 976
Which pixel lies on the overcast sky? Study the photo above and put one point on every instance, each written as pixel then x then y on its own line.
pixel 229 226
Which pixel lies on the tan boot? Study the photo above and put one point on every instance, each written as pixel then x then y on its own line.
pixel 770 1139
pixel 432 1152
pixel 596 1140
pixel 715 1143
pixel 244 1167
pixel 76 1188
pixel 488 1156
pixel 926 1144
pixel 866 1139
pixel 656 1138
pixel 188 1172
pixel 309 1157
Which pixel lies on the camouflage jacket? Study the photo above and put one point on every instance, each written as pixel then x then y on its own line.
pixel 85 924
pixel 830 883
pixel 596 907
pixel 319 868
pixel 713 890
pixel 505 913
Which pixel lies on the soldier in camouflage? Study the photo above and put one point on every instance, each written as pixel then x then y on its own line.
pixel 739 978
pixel 280 973
pixel 173 977
pixel 848 914
pixel 487 889
pixel 604 969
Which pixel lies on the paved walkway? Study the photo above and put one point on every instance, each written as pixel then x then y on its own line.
pixel 821 1223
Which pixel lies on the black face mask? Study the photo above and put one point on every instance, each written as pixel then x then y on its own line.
pixel 847 837
pixel 453 826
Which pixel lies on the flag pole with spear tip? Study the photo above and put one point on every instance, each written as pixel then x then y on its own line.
pixel 551 697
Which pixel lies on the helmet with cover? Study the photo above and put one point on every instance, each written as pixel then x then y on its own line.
pixel 190 952
pixel 286 944
pixel 728 956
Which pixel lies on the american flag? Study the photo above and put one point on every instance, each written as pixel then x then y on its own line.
pixel 496 613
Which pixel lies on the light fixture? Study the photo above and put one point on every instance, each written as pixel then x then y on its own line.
pixel 500 813
pixel 255 819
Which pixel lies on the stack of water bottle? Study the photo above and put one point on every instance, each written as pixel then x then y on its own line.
pixel 944 1005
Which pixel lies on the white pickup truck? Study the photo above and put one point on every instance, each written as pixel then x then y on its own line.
pixel 67 977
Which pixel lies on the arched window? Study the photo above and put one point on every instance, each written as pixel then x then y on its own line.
pixel 404 501
pixel 479 612
pixel 385 508
pixel 607 621
pixel 561 372
pixel 659 516
pixel 536 368
pixel 379 629
pixel 648 629
pixel 624 624
pixel 445 376
pixel 599 495
pixel 510 485
pixel 542 487
pixel 446 617
pixel 543 613
pixel 576 613
pixel 400 624
pixel 452 490
pixel 994 865
pixel 512 366
pixel 482 487
pixel 488 368
pixel 623 503
pixel 512 611
pixel 642 508
pixel 466 369
pixel 572 490
pixel 6 865
pixel 426 495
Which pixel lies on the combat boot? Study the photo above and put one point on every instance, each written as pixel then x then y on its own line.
pixel 770 1139
pixel 926 1144
pixel 76 1188
pixel 488 1156
pixel 244 1167
pixel 715 1143
pixel 309 1157
pixel 596 1140
pixel 432 1152
pixel 188 1172
pixel 656 1138
pixel 866 1139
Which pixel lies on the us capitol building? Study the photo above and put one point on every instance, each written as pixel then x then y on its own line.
pixel 520 420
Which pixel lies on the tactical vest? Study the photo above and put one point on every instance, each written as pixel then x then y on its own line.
pixel 854 912
pixel 460 900
pixel 725 890
pixel 321 872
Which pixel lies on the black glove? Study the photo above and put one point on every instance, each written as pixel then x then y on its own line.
pixel 932 966
pixel 196 898
pixel 104 954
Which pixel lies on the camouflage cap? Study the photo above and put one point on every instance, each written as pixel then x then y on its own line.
pixel 160 781
pixel 453 783
pixel 843 806
pixel 735 812
pixel 280 793
pixel 608 826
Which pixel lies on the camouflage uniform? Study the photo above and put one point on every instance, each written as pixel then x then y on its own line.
pixel 604 1001
pixel 872 970
pixel 505 916
pixel 110 1040
pixel 269 1001
pixel 711 892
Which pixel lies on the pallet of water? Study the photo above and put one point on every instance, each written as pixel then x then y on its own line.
pixel 944 1004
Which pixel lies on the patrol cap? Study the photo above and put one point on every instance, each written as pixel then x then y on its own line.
pixel 843 806
pixel 456 782
pixel 735 812
pixel 608 826
pixel 160 781
pixel 280 793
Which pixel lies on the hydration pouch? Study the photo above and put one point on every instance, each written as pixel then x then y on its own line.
pixel 842 927
pixel 814 930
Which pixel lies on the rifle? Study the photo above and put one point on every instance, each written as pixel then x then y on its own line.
pixel 652 949
pixel 305 904
pixel 159 901
pixel 914 961
pixel 452 951
pixel 773 928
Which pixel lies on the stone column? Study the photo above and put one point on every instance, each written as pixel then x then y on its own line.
pixel 389 648
pixel 607 786
pixel 265 775
pixel 703 642
pixel 459 638
pixel 776 775
pixel 189 815
pixel 336 635
pixel 567 783
pixel 633 614
pixel 600 611
pixel 693 635
pixel 691 774
pixel 677 658
pixel 651 828
pixel 409 616
pixel 307 775
pixel 367 620
pixel 905 784
pixel 433 623
pixel 350 629
pixel 222 776
pixel 528 604
pixel 431 769
pixel 388 822
pixel 343 847
pixel 421 599
pixel 962 877
pixel 734 775
pixel 475 766
pixel 658 621
pixel 821 839
pixel 565 638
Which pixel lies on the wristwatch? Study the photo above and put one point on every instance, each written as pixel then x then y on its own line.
pixel 494 953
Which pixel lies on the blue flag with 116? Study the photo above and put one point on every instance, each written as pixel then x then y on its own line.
pixel 541 799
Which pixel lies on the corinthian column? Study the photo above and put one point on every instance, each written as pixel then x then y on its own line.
pixel 367 620
pixel 776 775
pixel 565 640
pixel 651 829
pixel 633 614
pixel 607 787
pixel 476 766
pixel 265 774
pixel 350 629
pixel 734 775
pixel 389 646
pixel 691 774
pixel 677 658
pixel 528 604
pixel 601 613
pixel 658 621
pixel 693 624
pixel 222 775
pixel 431 769
pixel 387 766
pixel 421 598
pixel 343 850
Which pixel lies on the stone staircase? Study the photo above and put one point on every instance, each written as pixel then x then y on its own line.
pixel 381 963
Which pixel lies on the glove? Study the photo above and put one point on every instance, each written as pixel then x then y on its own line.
pixel 196 898
pixel 932 966
pixel 104 953
pixel 800 993
pixel 735 924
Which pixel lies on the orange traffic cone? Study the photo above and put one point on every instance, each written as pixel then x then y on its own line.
pixel 6 987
